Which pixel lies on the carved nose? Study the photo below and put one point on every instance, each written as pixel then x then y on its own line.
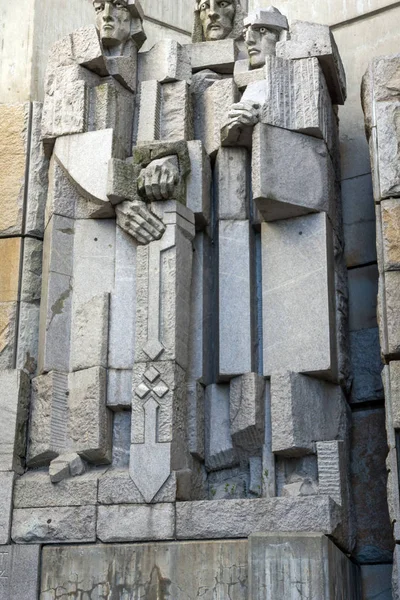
pixel 107 14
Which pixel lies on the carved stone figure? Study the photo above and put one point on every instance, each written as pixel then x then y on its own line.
pixel 262 31
pixel 217 20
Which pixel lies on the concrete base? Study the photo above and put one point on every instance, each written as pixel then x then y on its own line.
pixel 268 566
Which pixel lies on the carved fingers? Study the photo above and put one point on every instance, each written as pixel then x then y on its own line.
pixel 244 113
pixel 158 180
pixel 137 219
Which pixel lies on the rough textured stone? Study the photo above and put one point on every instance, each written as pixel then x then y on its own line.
pixel 304 410
pixel 312 39
pixel 8 330
pixel 119 389
pixel 28 337
pixel 6 490
pixel 240 518
pixel 37 177
pixel 66 465
pixel 31 283
pixel 376 582
pixel 391 234
pixel 211 112
pixel 121 439
pixel 176 112
pixel 181 570
pixel 54 525
pixel 116 487
pixel 198 184
pixel 35 490
pixel 219 450
pixel 247 411
pixel 393 393
pixel 90 333
pixel 10 249
pixel 235 298
pixel 14 121
pixel 284 161
pixel 390 320
pixel 300 565
pixel 387 150
pixel 149 119
pixel 219 56
pixel 298 296
pixel 20 572
pixel 366 365
pixel 166 61
pixel 14 411
pixel 232 184
pixel 363 291
pixel 196 419
pixel 129 523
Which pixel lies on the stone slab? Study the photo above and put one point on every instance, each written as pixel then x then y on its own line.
pixel 298 296
pixel 119 389
pixel 198 184
pixel 308 566
pixel 37 177
pixel 247 411
pixel 54 525
pixel 218 56
pixel 363 292
pixel 8 334
pixel 19 572
pixel 232 186
pixel 377 582
pixel 166 61
pixel 181 570
pixel 140 522
pixel 35 490
pixel 366 365
pixel 358 221
pixel 116 487
pixel 28 337
pixel 219 450
pixel 240 518
pixel 390 318
pixel 390 211
pixel 14 412
pixel 10 249
pixel 6 490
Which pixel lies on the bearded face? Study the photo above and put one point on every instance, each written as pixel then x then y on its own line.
pixel 113 21
pixel 217 18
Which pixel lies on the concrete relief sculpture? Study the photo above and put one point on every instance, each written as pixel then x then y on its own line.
pixel 192 371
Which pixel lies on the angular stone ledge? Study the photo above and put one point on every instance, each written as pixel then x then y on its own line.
pixel 240 518
pixel 134 523
pixel 35 490
pixel 54 525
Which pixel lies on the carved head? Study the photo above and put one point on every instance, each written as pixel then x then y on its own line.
pixel 117 21
pixel 262 31
pixel 217 20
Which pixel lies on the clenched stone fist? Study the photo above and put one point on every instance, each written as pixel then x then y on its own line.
pixel 158 180
pixel 243 113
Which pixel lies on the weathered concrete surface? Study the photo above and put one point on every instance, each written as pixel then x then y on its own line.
pixel 19 572
pixel 180 571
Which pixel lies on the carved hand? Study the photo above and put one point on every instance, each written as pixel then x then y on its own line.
pixel 244 113
pixel 135 218
pixel 158 180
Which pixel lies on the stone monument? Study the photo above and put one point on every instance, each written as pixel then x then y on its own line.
pixel 192 363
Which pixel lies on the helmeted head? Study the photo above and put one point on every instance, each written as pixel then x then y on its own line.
pixel 117 21
pixel 217 20
pixel 262 30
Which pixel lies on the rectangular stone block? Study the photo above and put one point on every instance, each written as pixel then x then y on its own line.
pixel 119 389
pixel 390 319
pixel 166 61
pixel 305 410
pixel 290 565
pixel 363 291
pixel 90 324
pixel 130 523
pixel 386 114
pixel 19 572
pixel 235 298
pixel 243 76
pixel 282 163
pixel 149 117
pixel 198 184
pixel 377 582
pixel 14 126
pixel 6 490
pixel 28 337
pixel 390 210
pixel 331 470
pixel 10 249
pixel 121 344
pixel 196 419
pixel 183 569
pixel 232 186
pixel 54 525
pixel 211 113
pixel 312 39
pixel 31 282
pixel 117 487
pixel 298 296
pixel 176 112
pixel 121 439
pixel 240 518
pixel 218 56
pixel 90 422
pixel 247 411
pixel 219 450
pixel 14 409
pixel 366 365
pixel 37 177
pixel 8 334
pixel 35 490
pixel 358 220
pixel 393 392
pixel 65 111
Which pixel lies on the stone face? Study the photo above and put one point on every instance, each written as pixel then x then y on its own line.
pixel 35 490
pixel 20 572
pixel 376 582
pixel 312 39
pixel 6 490
pixel 387 151
pixel 178 569
pixel 14 407
pixel 149 127
pixel 304 410
pixel 284 161
pixel 298 296
pixel 240 518
pixel 235 298
pixel 300 565
pixel 247 411
pixel 196 419
pixel 129 523
pixel 54 525
pixel 219 450
pixel 14 121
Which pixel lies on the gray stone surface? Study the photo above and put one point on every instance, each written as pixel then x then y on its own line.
pixel 37 177
pixel 181 570
pixel 232 186
pixel 298 296
pixel 176 112
pixel 66 465
pixel 165 61
pixel 240 518
pixel 149 127
pixel 247 411
pixel 235 298
pixel 366 365
pixel 284 161
pixel 35 490
pixel 116 487
pixel 300 566
pixel 219 55
pixel 130 523
pixel 219 450
pixel 54 525
pixel 6 490
pixel 376 582
pixel 363 291
pixel 358 220
pixel 119 388
pixel 391 316
pixel 14 412
pixel 332 470
pixel 198 184
pixel 20 572
pixel 211 112
pixel 8 321
pixel 196 419
pixel 121 439
pixel 90 333
pixel 31 283
pixel 304 410
pixel 28 337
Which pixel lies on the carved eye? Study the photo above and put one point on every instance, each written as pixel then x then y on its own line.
pixel 224 4
pixel 119 5
pixel 263 30
pixel 99 7
pixel 204 6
